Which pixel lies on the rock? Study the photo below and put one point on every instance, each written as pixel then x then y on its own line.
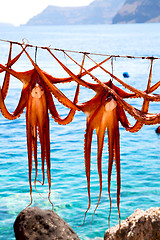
pixel 37 224
pixel 141 225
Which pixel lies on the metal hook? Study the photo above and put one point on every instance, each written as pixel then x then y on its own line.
pixel 23 41
pixel 36 55
pixel 82 65
pixel 112 67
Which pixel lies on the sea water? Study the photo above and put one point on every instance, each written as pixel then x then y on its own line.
pixel 140 152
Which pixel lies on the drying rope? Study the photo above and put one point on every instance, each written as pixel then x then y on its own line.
pixel 82 52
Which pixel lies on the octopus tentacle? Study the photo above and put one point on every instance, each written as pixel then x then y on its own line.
pixel 71 114
pixel 87 156
pixel 47 144
pixel 4 110
pixel 42 121
pixel 110 163
pixel 29 146
pixel 77 79
pixel 120 92
pixel 35 155
pixel 100 121
pixel 155 86
pixel 145 118
pixel 15 59
pixel 36 162
pixel 7 75
pixel 56 92
pixel 52 107
pixel 69 79
pixel 23 100
pixel 123 119
pixel 117 161
pixel 42 143
pixel 138 125
pixel 24 77
pixel 100 142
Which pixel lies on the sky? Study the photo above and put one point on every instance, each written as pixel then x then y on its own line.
pixel 19 12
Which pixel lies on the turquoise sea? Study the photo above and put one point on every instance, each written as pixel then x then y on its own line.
pixel 140 152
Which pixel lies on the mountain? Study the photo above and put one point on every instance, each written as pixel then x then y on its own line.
pixel 97 12
pixel 2 24
pixel 138 11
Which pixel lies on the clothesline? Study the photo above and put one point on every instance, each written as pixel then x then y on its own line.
pixel 74 51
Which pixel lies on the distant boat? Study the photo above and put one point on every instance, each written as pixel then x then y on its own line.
pixel 125 75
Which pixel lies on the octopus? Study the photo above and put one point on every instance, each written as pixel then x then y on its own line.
pixel 105 110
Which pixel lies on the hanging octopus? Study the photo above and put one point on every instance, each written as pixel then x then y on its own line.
pixel 106 110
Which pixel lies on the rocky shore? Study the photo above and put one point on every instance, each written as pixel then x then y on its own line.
pixel 36 224
pixel 141 225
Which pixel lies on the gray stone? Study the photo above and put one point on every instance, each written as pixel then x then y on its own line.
pixel 37 224
pixel 141 225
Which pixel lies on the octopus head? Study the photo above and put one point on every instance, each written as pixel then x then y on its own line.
pixel 37 91
pixel 110 104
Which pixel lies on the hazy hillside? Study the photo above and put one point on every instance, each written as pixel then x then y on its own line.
pixel 98 12
pixel 138 11
pixel 5 24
